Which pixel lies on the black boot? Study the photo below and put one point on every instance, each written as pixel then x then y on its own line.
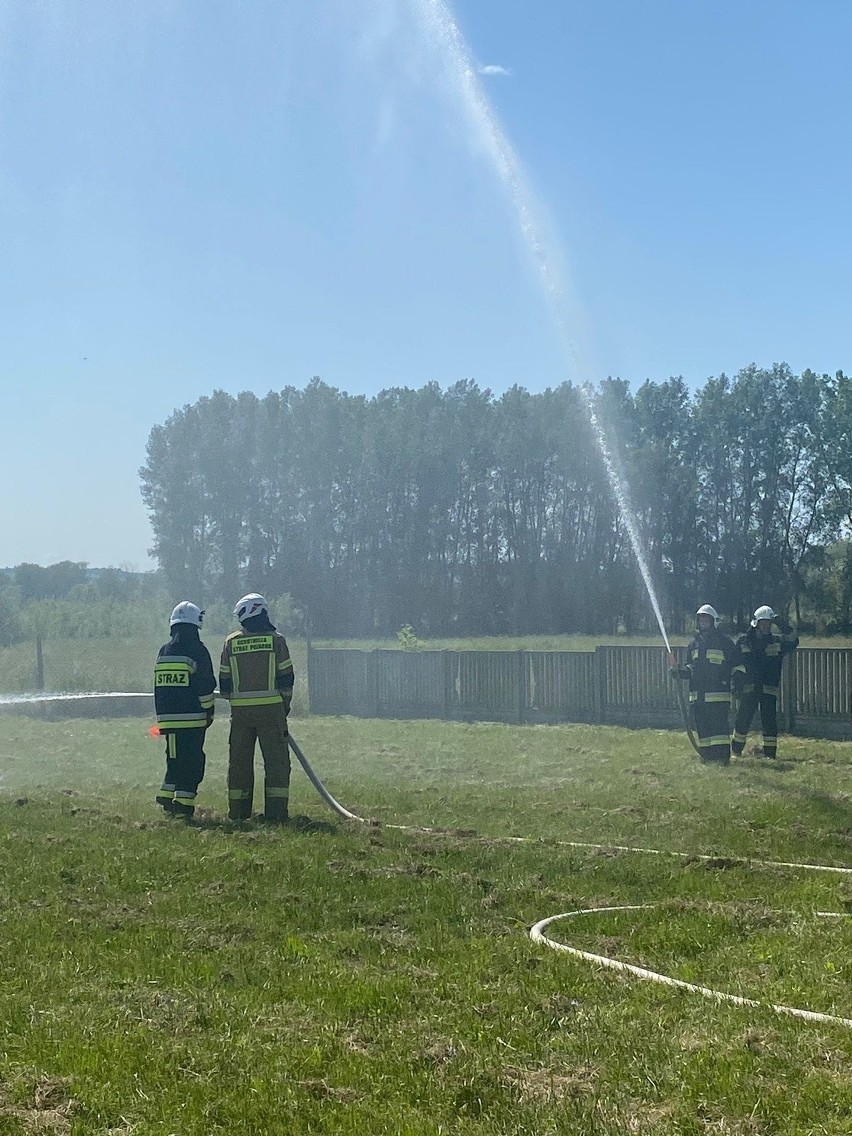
pixel 275 810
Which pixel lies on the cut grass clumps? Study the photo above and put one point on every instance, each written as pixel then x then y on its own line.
pixel 347 978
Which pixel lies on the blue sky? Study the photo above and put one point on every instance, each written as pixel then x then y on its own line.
pixel 200 194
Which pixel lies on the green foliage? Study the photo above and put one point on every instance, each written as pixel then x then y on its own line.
pixel 406 638
pixel 54 582
pixel 10 605
pixel 357 979
pixel 490 515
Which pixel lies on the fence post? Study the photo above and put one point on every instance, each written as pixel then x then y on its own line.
pixel 375 657
pixel 522 687
pixel 789 688
pixel 600 683
pixel 39 664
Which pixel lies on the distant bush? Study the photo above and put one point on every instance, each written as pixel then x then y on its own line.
pixel 407 638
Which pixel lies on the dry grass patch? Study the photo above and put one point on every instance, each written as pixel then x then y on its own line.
pixel 46 1109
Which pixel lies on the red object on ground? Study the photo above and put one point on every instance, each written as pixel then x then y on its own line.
pixel 153 731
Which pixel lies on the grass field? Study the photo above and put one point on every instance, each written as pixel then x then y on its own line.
pixel 342 979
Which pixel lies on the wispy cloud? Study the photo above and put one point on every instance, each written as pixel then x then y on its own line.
pixel 493 69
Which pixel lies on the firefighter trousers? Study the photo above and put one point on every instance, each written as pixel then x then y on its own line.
pixel 712 725
pixel 268 725
pixel 750 700
pixel 185 761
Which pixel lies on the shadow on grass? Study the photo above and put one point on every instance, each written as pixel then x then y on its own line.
pixel 302 824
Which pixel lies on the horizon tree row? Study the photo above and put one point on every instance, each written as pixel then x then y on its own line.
pixel 459 512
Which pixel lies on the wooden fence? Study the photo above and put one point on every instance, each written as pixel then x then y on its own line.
pixel 623 686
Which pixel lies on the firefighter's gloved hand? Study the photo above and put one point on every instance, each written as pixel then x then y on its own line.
pixel 679 672
pixel 286 698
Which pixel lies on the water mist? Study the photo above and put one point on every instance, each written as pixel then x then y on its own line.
pixel 439 27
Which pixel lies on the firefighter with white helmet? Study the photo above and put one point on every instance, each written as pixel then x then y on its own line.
pixel 256 675
pixel 183 698
pixel 710 660
pixel 758 680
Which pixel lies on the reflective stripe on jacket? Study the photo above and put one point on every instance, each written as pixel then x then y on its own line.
pixel 762 657
pixel 183 684
pixel 710 659
pixel 255 669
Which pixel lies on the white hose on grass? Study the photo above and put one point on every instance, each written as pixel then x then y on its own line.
pixel 538 936
pixel 537 931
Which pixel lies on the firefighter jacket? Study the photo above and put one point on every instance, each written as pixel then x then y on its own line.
pixel 184 681
pixel 761 659
pixel 256 669
pixel 710 660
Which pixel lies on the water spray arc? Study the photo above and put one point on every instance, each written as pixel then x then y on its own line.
pixel 440 27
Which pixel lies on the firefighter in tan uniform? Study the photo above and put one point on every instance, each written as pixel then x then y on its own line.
pixel 256 676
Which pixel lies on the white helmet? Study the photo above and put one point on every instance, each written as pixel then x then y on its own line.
pixel 187 612
pixel 252 604
pixel 764 612
pixel 706 609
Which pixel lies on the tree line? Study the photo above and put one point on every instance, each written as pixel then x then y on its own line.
pixel 456 511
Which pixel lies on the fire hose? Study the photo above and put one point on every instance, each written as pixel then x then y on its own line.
pixel 537 932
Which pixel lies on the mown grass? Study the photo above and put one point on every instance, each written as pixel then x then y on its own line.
pixel 334 978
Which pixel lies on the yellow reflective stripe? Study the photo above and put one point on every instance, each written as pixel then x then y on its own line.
pixel 239 794
pixel 717 696
pixel 173 724
pixel 773 649
pixel 718 740
pixel 693 696
pixel 773 690
pixel 741 667
pixel 739 737
pixel 277 791
pixel 207 701
pixel 171 745
pixel 265 700
pixel 167 793
pixel 767 740
pixel 270 682
pixel 714 656
pixel 288 666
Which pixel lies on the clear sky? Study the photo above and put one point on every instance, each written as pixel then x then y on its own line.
pixel 240 194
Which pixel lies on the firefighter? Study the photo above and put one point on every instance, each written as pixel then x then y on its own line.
pixel 256 676
pixel 183 698
pixel 710 661
pixel 758 676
